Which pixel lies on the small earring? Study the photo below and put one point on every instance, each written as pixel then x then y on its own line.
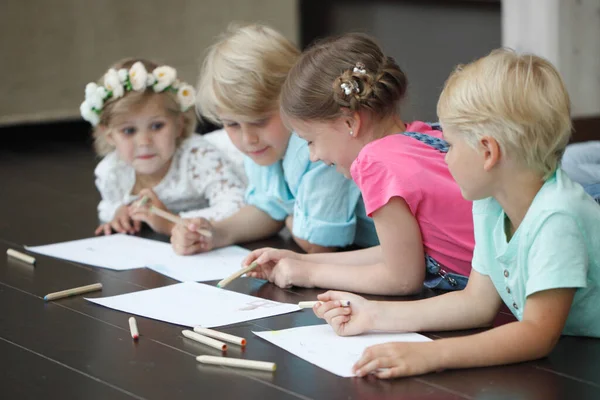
pixel 351 132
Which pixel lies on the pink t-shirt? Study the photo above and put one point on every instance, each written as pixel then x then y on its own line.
pixel 398 165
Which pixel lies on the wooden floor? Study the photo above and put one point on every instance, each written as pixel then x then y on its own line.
pixel 72 349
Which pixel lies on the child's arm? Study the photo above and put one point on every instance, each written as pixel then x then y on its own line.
pixel 112 212
pixel 395 268
pixel 534 337
pixel 475 306
pixel 248 224
pixel 305 245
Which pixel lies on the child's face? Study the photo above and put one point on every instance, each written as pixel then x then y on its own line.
pixel 264 141
pixel 466 164
pixel 145 137
pixel 329 141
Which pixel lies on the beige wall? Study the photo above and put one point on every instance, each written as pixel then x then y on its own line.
pixel 566 32
pixel 50 49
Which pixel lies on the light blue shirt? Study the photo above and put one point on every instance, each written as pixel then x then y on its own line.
pixel 556 246
pixel 327 208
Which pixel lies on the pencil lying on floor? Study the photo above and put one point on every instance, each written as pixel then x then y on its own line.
pixel 236 275
pixel 311 304
pixel 170 217
pixel 237 362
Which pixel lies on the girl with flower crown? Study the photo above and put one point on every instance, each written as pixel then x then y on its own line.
pixel 144 119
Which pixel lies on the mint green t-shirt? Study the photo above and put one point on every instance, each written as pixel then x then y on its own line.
pixel 556 246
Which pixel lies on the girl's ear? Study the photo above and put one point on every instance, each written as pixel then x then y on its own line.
pixel 491 152
pixel 103 130
pixel 353 122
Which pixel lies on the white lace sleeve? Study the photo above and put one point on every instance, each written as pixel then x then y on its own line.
pixel 214 178
pixel 112 185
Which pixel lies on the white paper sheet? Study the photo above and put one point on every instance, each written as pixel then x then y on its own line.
pixel 195 304
pixel 321 346
pixel 121 252
pixel 216 264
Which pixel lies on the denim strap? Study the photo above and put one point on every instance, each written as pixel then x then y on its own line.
pixel 436 143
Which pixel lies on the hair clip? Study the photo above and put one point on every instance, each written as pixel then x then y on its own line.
pixel 349 87
pixel 359 68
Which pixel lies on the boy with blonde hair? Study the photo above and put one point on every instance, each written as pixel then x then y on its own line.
pixel 239 88
pixel 537 234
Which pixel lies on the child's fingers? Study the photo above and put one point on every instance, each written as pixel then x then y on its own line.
pixel 197 223
pixel 338 322
pixel 269 255
pixel 332 309
pixel 137 226
pixel 182 236
pixel 184 250
pixel 376 365
pixel 107 229
pixel 126 223
pixel 331 295
pixel 99 230
pixel 257 275
pixel 322 308
pixel 250 258
pixel 116 225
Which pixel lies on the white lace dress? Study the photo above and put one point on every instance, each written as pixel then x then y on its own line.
pixel 201 182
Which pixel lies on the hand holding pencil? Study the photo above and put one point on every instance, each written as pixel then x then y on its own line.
pixel 284 268
pixel 347 313
pixel 195 235
pixel 142 211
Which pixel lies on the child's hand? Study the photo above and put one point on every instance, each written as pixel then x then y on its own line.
pixel 345 321
pixel 185 239
pixel 392 360
pixel 285 272
pixel 121 223
pixel 142 213
pixel 269 256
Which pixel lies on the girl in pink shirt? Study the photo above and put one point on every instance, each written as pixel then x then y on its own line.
pixel 342 97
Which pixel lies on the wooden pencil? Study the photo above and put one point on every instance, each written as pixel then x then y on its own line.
pixel 73 292
pixel 226 337
pixel 20 256
pixel 176 220
pixel 311 304
pixel 237 362
pixel 236 275
pixel 204 340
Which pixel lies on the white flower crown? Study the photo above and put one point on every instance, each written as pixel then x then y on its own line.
pixel 116 83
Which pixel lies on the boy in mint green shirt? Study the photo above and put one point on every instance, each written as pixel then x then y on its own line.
pixel 507 120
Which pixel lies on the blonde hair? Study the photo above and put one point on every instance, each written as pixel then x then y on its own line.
pixel 243 72
pixel 519 100
pixel 348 71
pixel 131 100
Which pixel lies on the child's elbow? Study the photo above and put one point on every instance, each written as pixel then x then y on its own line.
pixel 401 287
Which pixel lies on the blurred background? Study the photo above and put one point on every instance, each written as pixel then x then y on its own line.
pixel 49 50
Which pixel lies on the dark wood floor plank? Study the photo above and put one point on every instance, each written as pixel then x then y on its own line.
pixel 33 376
